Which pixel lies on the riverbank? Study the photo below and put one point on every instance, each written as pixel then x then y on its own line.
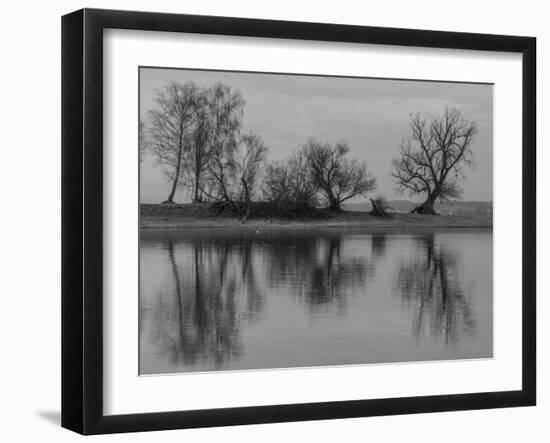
pixel 200 215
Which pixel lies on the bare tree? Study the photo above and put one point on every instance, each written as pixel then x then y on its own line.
pixel 290 181
pixel 169 129
pixel 431 161
pixel 142 140
pixel 275 186
pixel 338 178
pixel 226 110
pixel 200 135
pixel 249 158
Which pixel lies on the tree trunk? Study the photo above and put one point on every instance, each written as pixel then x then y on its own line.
pixel 378 209
pixel 335 205
pixel 170 199
pixel 427 207
pixel 246 214
pixel 197 197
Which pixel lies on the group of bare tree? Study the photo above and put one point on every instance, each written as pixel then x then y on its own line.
pixel 195 134
pixel 318 174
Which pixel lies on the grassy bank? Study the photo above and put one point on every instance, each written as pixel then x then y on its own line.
pixel 204 215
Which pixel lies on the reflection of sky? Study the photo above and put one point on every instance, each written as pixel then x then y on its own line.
pixel 371 115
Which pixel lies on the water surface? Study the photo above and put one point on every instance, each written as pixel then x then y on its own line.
pixel 227 299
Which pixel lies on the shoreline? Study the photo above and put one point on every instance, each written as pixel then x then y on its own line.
pixel 201 216
pixel 345 220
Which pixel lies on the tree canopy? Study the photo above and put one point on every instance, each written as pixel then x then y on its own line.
pixel 431 161
pixel 338 177
pixel 171 121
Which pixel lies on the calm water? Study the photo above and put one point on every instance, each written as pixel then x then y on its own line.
pixel 231 299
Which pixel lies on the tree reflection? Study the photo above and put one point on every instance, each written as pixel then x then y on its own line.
pixel 216 285
pixel 430 284
pixel 318 266
pixel 214 290
pixel 378 245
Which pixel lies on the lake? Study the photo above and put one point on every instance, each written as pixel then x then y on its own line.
pixel 232 299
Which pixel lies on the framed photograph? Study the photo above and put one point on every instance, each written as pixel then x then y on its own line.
pixel 269 221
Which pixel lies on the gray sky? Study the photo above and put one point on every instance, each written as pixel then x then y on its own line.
pixel 372 115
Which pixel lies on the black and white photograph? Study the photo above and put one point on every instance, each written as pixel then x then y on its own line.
pixel 287 221
pixel 292 221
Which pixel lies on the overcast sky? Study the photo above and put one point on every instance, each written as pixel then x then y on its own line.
pixel 372 115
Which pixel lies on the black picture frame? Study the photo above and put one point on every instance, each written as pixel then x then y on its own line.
pixel 82 220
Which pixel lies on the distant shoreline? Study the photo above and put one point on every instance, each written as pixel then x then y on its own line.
pixel 196 216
